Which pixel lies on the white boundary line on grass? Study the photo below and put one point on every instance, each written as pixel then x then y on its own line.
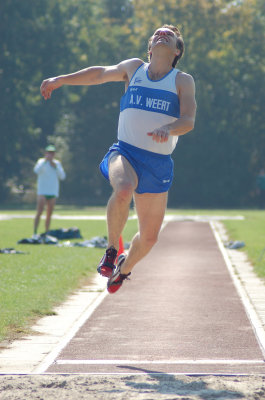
pixel 250 310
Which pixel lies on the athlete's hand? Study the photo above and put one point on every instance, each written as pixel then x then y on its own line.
pixel 160 135
pixel 48 86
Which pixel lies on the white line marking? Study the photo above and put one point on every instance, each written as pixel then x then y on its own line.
pixel 251 313
pixel 148 362
pixel 168 217
pixel 220 374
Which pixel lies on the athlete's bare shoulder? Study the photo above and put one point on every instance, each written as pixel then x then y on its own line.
pixel 184 81
pixel 184 78
pixel 130 66
pixel 130 62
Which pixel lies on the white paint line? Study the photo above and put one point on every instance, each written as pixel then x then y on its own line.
pixel 80 217
pixel 151 362
pixel 195 374
pixel 250 310
pixel 168 217
pixel 42 367
pixel 202 218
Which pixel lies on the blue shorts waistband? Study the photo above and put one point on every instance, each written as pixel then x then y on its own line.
pixel 130 147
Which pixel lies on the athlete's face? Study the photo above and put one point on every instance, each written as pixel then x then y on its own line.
pixel 164 37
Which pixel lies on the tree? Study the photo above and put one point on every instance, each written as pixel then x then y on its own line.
pixel 215 165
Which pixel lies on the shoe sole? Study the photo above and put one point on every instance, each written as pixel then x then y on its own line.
pixel 106 272
pixel 112 286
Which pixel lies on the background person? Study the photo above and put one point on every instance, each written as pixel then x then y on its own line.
pixel 158 106
pixel 49 171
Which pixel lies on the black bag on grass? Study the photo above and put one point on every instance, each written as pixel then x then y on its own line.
pixel 63 233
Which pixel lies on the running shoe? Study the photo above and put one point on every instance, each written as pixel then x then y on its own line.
pixel 107 263
pixel 117 278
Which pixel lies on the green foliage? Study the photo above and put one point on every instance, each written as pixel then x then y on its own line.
pixel 215 165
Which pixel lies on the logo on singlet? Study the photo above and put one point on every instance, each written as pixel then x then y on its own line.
pixel 137 80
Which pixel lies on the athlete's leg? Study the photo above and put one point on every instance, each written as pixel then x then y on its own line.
pixel 40 208
pixel 124 180
pixel 50 203
pixel 150 209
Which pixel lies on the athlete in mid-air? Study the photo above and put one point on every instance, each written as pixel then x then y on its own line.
pixel 158 106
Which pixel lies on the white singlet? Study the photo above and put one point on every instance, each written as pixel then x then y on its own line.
pixel 148 105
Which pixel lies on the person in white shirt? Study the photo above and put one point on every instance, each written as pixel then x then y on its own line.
pixel 50 171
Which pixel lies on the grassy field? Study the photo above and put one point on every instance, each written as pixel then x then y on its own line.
pixel 32 284
pixel 252 232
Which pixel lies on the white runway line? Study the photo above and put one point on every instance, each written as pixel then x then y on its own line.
pixel 148 362
pixel 250 310
pixel 124 374
pixel 168 217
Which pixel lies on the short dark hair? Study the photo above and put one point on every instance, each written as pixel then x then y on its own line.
pixel 180 43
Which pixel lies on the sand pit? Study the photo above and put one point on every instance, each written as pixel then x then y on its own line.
pixel 131 387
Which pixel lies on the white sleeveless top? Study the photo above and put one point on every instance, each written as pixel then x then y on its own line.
pixel 148 105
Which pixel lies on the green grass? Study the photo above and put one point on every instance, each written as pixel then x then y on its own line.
pixel 252 232
pixel 32 284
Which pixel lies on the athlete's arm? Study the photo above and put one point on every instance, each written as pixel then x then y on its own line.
pixel 92 76
pixel 186 92
pixel 185 123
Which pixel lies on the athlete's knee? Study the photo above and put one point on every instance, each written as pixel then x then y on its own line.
pixel 149 240
pixel 124 191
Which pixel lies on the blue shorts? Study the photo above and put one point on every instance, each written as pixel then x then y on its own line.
pixel 154 171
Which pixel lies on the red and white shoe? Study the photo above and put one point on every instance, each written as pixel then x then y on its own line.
pixel 107 263
pixel 117 278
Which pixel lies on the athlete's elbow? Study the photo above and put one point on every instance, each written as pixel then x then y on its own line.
pixel 190 125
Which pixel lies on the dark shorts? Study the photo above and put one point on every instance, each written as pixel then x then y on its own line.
pixel 49 197
pixel 154 171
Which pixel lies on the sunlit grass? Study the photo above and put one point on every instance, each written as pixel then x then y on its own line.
pixel 252 232
pixel 32 284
